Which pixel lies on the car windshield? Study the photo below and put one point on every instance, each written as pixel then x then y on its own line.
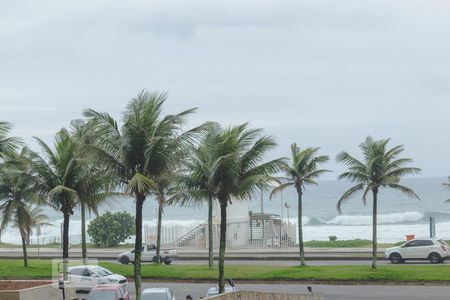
pixel 102 295
pixel 102 271
pixel 155 296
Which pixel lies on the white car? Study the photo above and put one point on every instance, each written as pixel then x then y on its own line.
pixel 432 249
pixel 148 254
pixel 213 291
pixel 87 276
pixel 158 294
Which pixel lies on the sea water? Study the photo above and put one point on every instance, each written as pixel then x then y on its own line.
pixel 398 215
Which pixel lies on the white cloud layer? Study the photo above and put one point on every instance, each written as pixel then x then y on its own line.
pixel 323 73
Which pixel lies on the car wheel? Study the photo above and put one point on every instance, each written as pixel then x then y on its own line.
pixel 435 258
pixel 167 261
pixel 124 260
pixel 395 258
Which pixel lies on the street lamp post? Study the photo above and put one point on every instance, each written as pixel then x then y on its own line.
pixel 287 208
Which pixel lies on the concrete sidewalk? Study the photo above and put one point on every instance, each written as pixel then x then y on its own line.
pixel 200 254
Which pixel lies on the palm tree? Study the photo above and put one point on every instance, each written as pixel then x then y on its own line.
pixel 380 168
pixel 37 218
pixel 196 180
pixel 139 151
pixel 93 190
pixel 238 155
pixel 7 144
pixel 302 170
pixel 17 190
pixel 58 173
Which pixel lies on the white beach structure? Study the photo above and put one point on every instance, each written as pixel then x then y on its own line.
pixel 245 229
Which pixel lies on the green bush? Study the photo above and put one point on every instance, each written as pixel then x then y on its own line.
pixel 332 238
pixel 108 230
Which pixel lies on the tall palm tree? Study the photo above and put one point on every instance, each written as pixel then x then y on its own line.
pixel 140 150
pixel 7 143
pixel 17 191
pixel 238 155
pixel 302 170
pixel 196 179
pixel 381 167
pixel 58 173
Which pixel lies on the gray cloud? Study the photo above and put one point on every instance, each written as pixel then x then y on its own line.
pixel 316 72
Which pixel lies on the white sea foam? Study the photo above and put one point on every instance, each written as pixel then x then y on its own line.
pixel 388 231
pixel 391 218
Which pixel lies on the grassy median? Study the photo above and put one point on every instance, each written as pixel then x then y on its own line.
pixel 395 273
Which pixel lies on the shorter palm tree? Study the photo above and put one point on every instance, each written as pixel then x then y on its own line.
pixel 195 182
pixel 381 167
pixel 93 189
pixel 302 170
pixel 58 173
pixel 17 190
pixel 37 218
pixel 238 156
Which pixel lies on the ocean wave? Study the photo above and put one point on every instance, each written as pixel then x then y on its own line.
pixel 392 218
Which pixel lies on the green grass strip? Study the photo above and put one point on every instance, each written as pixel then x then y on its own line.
pixel 394 273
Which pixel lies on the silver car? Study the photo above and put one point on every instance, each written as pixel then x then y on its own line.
pixel 85 277
pixel 158 294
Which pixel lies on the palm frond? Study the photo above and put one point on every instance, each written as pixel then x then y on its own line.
pixel 140 184
pixel 349 193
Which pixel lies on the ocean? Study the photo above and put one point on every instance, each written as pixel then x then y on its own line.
pixel 398 215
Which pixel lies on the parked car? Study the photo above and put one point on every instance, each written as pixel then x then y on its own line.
pixel 109 292
pixel 158 294
pixel 432 249
pixel 148 255
pixel 85 277
pixel 213 291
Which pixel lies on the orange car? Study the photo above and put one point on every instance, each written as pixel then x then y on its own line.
pixel 109 292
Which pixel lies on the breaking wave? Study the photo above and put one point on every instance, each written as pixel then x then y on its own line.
pixel 391 218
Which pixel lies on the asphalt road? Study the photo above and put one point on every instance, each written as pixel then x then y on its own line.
pixel 331 292
pixel 287 263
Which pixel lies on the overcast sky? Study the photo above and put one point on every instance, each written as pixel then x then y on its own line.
pixel 319 73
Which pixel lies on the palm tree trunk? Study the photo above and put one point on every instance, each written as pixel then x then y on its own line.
pixel 24 248
pixel 158 237
pixel 83 233
pixel 65 245
pixel 223 237
pixel 210 234
pixel 300 228
pixel 138 245
pixel 374 228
